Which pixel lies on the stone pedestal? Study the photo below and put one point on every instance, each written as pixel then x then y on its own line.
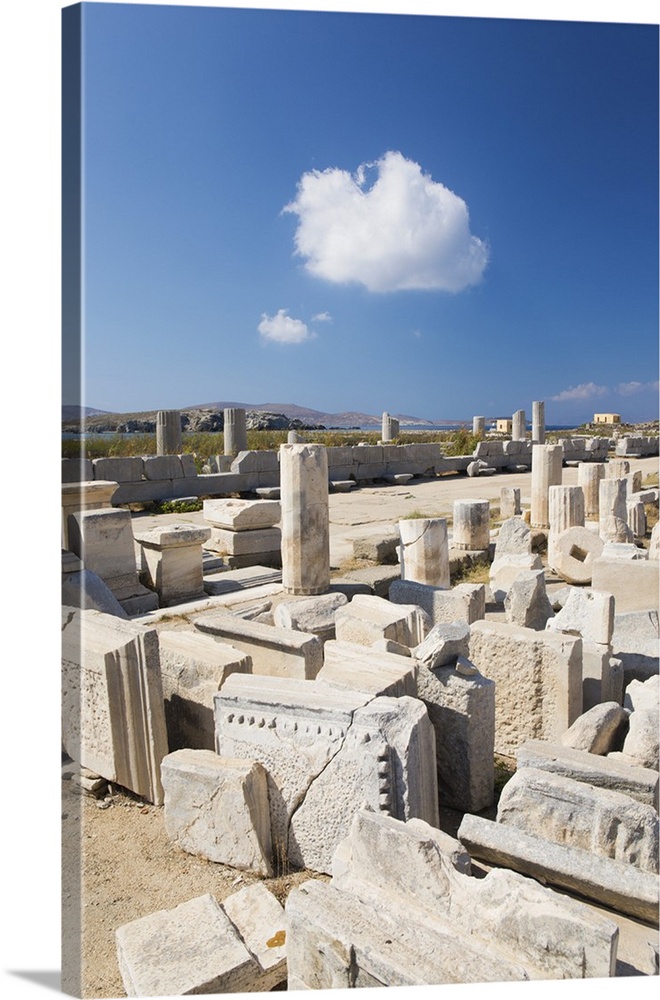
pixel 471 525
pixel 168 432
pixel 479 427
pixel 171 561
pixel 390 427
pixel 518 426
pixel 305 518
pixel 565 510
pixel 613 515
pixel 425 551
pixel 235 433
pixel 546 472
pixel 538 422
pixel 93 495
pixel 589 477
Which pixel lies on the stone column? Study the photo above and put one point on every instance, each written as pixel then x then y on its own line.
pixel 538 422
pixel 613 515
pixel 565 510
pixel 546 472
pixel 589 477
pixel 305 518
pixel 425 551
pixel 235 431
pixel 471 525
pixel 390 427
pixel 519 426
pixel 293 438
pixel 479 427
pixel 509 502
pixel 636 518
pixel 168 432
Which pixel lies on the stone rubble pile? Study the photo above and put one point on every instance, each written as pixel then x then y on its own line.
pixel 287 722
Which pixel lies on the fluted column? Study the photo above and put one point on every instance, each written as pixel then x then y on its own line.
pixel 519 426
pixel 471 525
pixel 613 514
pixel 390 427
pixel 235 431
pixel 565 510
pixel 589 478
pixel 168 432
pixel 546 472
pixel 538 422
pixel 479 427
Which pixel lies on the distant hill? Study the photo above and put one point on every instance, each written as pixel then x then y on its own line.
pixel 352 418
pixel 71 411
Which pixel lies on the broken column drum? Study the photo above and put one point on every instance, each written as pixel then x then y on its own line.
pixel 235 431
pixel 613 514
pixel 538 422
pixel 390 427
pixel 168 432
pixel 479 427
pixel 565 510
pixel 425 551
pixel 589 477
pixel 471 525
pixel 518 426
pixel 305 518
pixel 546 472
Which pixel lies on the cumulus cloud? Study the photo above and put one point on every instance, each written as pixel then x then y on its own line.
pixel 323 317
pixel 403 231
pixel 584 391
pixel 284 329
pixel 630 388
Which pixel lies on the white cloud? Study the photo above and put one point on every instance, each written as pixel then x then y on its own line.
pixel 323 317
pixel 584 391
pixel 630 388
pixel 284 329
pixel 404 231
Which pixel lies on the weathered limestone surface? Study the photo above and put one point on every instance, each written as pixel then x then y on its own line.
pixel 634 583
pixel 274 651
pixel 461 707
pixel 113 720
pixel 635 642
pixel 168 432
pixel 479 426
pixel 513 538
pixel 612 516
pixel 641 743
pixel 193 667
pixel 565 510
pixel 643 695
pixel 314 615
pixel 518 426
pixel 261 923
pixel 602 772
pixel 327 751
pixel 244 543
pixel 598 730
pixel 537 681
pixel 620 886
pixel 588 613
pixel 471 527
pixel 367 669
pixel 84 589
pixel 654 544
pixel 636 517
pixel 589 477
pixel 171 561
pixel 538 422
pixel 546 472
pixel 443 645
pixel 574 554
pixel 193 948
pixel 103 539
pixel 84 495
pixel 504 570
pixel 509 502
pixel 367 619
pixel 465 602
pixel 305 519
pixel 242 515
pixel 218 809
pixel 606 823
pixel 424 551
pixel 402 869
pixel 381 549
pixel 526 602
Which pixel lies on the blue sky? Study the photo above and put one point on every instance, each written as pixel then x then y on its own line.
pixel 438 216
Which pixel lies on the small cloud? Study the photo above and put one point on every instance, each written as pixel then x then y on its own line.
pixel 587 390
pixel 284 329
pixel 417 334
pixel 323 317
pixel 630 388
pixel 402 231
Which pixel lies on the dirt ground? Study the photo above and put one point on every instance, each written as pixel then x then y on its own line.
pixel 117 857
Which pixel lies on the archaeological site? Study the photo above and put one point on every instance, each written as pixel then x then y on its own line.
pixel 360 716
